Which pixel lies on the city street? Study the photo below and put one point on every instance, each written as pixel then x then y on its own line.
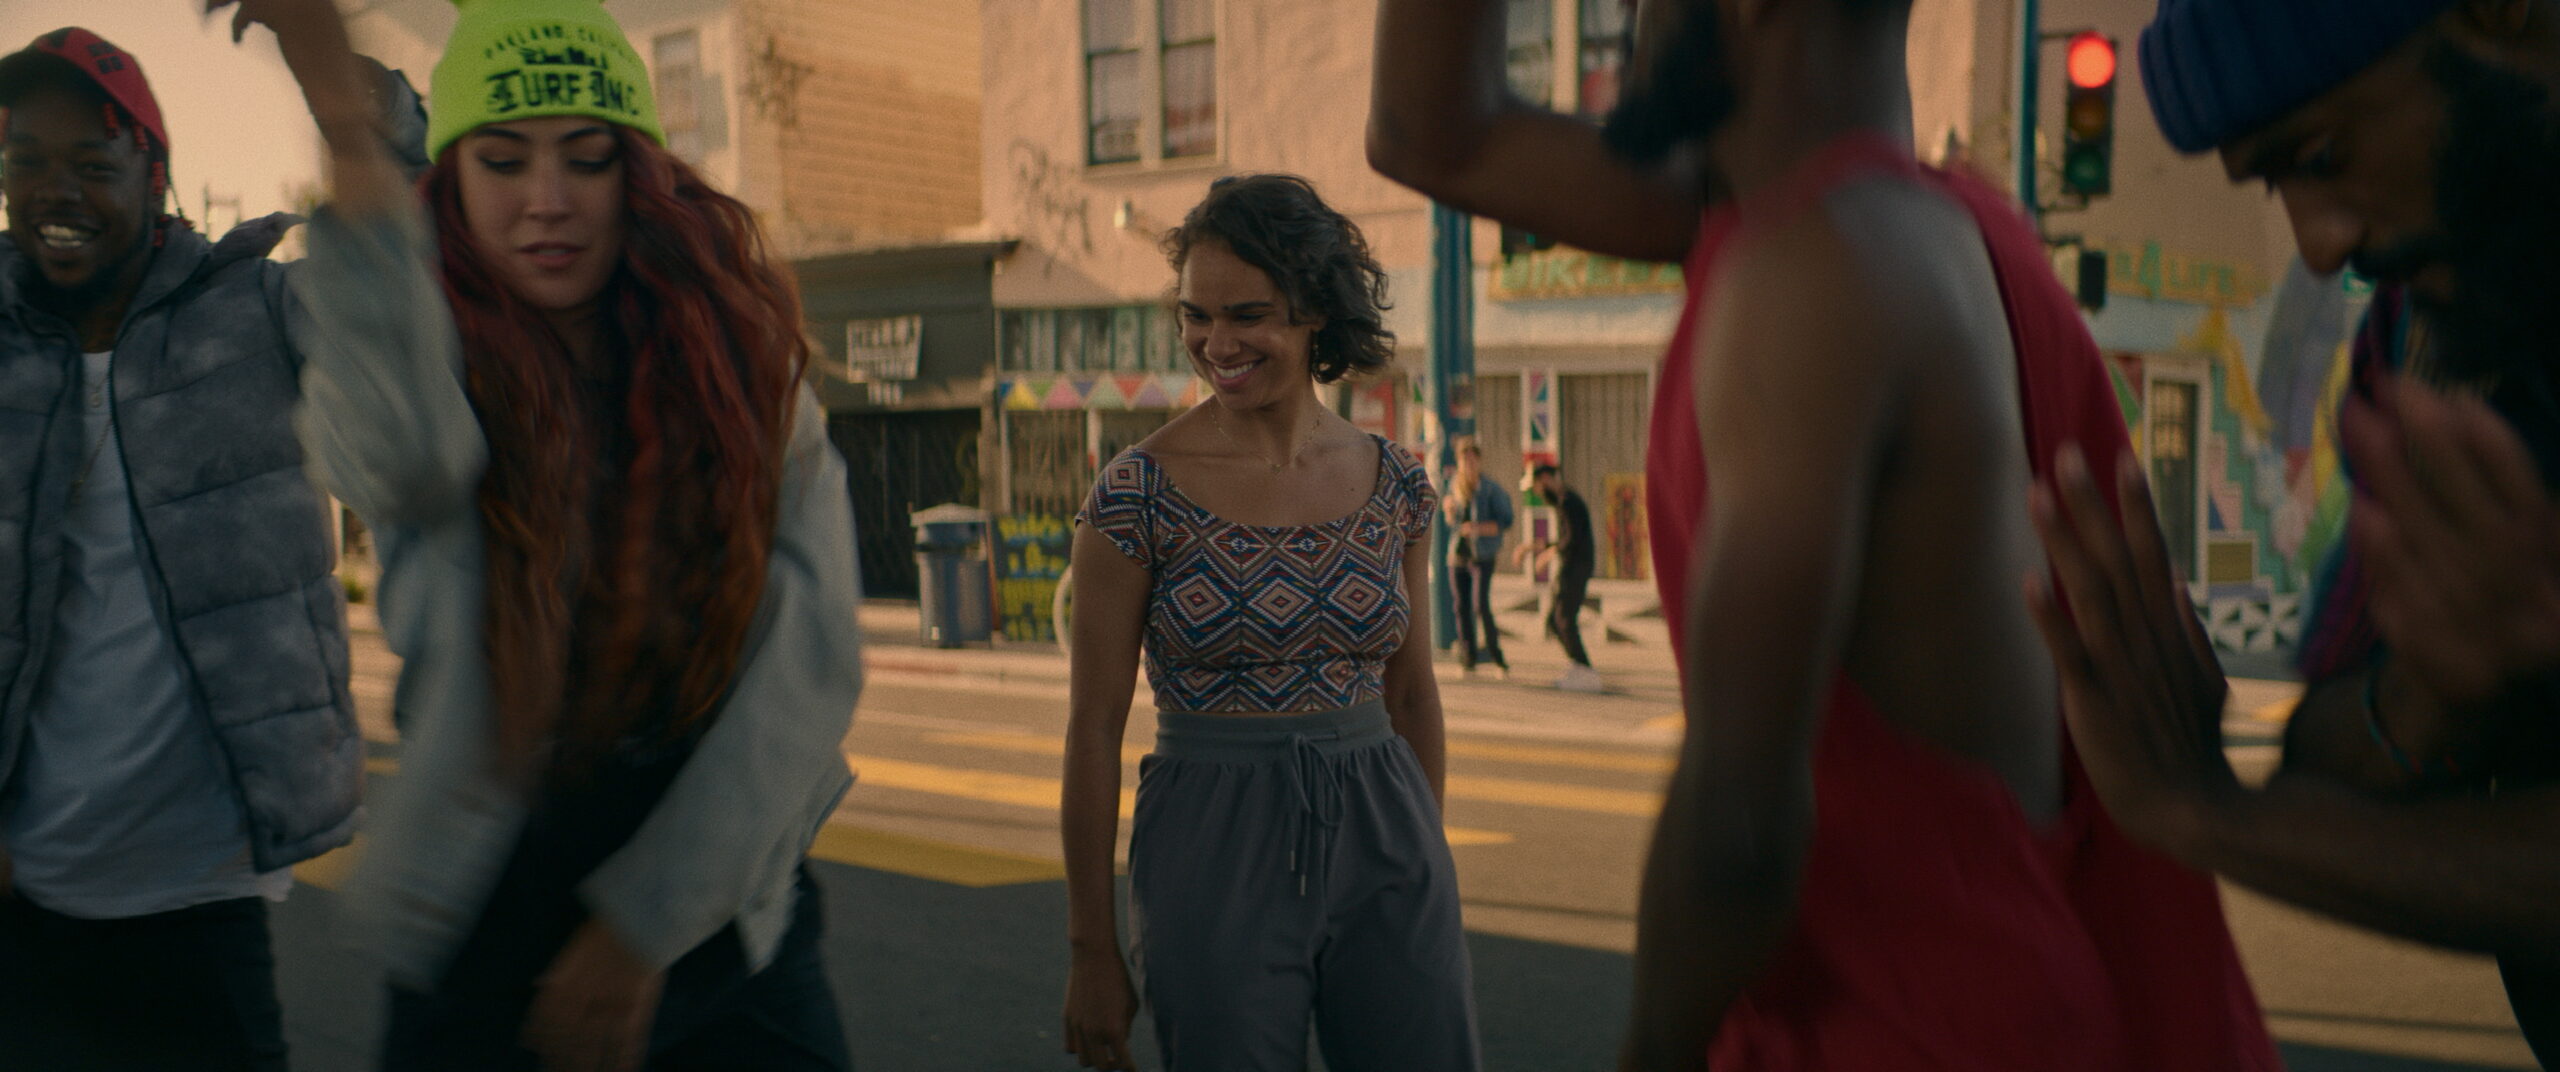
pixel 946 910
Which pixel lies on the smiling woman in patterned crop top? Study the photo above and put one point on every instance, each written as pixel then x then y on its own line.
pixel 1286 860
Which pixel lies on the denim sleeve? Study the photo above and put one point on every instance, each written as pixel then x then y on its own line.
pixel 384 420
pixel 1490 493
pixel 741 815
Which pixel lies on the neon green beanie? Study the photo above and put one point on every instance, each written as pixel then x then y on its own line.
pixel 524 59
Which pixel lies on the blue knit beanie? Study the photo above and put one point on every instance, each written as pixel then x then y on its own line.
pixel 2218 69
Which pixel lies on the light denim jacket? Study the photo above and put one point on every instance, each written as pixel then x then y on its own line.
pixel 389 431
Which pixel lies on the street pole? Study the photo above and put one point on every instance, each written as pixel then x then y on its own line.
pixel 2030 44
pixel 1453 393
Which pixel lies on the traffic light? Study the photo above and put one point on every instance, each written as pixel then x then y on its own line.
pixel 2089 116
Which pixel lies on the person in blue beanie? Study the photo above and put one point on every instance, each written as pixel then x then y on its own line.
pixel 2418 143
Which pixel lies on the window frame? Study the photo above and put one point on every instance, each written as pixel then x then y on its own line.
pixel 662 78
pixel 1587 42
pixel 1087 54
pixel 1165 45
pixel 1151 49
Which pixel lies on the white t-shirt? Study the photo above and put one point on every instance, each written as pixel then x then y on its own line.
pixel 122 805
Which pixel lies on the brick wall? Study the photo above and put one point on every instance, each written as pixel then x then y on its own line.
pixel 871 109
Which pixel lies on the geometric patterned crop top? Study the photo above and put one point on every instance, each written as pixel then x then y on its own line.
pixel 1261 617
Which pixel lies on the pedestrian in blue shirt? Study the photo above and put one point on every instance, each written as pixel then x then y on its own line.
pixel 1479 513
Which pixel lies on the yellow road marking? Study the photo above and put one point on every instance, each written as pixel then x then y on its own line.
pixel 1659 723
pixel 957 865
pixel 1551 795
pixel 2278 711
pixel 1026 743
pixel 1032 791
pixel 1590 758
pixel 1022 790
pixel 1461 786
pixel 330 869
pixel 939 861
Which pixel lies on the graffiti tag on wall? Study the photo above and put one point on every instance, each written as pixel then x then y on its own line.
pixel 1054 209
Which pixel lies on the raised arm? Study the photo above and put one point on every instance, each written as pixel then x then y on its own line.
pixel 1443 120
pixel 2145 704
pixel 384 420
pixel 364 179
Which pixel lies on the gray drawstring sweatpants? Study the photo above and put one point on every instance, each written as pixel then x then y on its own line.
pixel 1288 866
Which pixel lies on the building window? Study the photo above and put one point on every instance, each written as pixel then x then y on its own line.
pixel 1125 338
pixel 1114 80
pixel 677 63
pixel 1604 48
pixel 1189 33
pixel 1136 51
pixel 1530 31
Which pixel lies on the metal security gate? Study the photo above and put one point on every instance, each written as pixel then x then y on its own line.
pixel 1600 430
pixel 896 464
pixel 1045 457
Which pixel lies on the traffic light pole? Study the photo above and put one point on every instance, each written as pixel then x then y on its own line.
pixel 1453 367
pixel 2030 49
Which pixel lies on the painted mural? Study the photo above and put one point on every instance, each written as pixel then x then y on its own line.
pixel 2269 463
pixel 1032 554
pixel 1152 390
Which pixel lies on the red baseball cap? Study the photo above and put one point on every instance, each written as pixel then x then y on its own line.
pixel 113 69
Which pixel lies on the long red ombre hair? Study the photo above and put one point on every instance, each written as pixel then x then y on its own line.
pixel 630 509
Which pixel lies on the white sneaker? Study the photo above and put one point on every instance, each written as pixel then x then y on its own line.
pixel 1581 679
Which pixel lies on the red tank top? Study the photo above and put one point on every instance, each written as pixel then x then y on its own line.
pixel 1936 928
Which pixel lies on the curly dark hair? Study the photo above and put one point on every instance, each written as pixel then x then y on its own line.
pixel 1313 254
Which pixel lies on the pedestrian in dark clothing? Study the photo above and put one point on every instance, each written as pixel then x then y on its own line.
pixel 1572 558
pixel 175 727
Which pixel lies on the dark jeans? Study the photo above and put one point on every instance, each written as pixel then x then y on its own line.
pixel 1564 620
pixel 192 990
pixel 713 1015
pixel 1472 584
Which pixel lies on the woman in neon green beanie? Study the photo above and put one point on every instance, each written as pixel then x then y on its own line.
pixel 565 393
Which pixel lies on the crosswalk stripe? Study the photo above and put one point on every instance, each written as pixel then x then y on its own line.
pixel 330 869
pixel 1461 786
pixel 941 861
pixel 1033 791
pixel 998 787
pixel 1551 795
pixel 1549 755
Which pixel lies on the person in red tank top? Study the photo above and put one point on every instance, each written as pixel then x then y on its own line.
pixel 1857 867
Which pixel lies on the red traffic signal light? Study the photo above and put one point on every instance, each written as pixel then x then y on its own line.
pixel 2091 60
pixel 2089 116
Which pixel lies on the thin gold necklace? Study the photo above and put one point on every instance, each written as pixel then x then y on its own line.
pixel 1221 422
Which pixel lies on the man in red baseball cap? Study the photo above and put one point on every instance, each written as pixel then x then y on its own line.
pixel 175 725
pixel 71 93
